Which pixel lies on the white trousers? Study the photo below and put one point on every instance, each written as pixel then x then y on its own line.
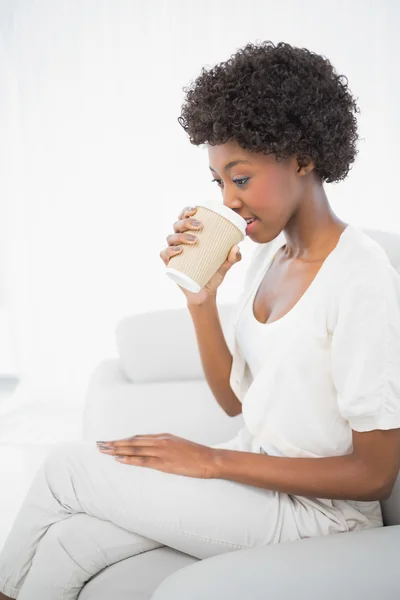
pixel 85 511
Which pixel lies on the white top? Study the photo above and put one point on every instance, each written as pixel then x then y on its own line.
pixel 332 363
pixel 251 335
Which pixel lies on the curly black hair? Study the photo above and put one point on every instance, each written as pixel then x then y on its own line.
pixel 276 99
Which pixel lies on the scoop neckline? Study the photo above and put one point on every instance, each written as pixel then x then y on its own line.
pixel 307 292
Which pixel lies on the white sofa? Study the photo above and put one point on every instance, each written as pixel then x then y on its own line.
pixel 157 385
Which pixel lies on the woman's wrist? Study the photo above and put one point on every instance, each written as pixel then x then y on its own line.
pixel 210 301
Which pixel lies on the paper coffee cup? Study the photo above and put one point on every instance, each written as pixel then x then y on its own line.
pixel 197 263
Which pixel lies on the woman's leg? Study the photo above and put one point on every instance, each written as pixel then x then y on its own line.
pixel 76 544
pixel 72 551
pixel 201 517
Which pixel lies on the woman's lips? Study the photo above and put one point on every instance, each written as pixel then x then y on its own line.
pixel 250 227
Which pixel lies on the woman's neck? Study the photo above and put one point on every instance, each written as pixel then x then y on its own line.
pixel 314 230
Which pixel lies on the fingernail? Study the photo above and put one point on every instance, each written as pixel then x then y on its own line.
pixel 101 442
pixel 190 208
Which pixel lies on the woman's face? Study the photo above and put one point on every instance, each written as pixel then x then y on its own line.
pixel 260 187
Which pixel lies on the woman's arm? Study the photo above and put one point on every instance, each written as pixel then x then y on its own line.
pixel 215 356
pixel 369 473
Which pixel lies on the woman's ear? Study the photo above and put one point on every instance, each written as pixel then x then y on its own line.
pixel 305 165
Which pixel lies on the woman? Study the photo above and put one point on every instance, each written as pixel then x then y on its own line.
pixel 315 358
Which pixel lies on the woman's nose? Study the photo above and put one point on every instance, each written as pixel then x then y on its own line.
pixel 231 201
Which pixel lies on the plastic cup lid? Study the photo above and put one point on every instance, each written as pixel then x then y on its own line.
pixel 183 280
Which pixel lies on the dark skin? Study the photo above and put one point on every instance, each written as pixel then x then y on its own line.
pixel 285 196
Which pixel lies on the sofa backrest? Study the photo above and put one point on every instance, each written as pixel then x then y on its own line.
pixel 390 242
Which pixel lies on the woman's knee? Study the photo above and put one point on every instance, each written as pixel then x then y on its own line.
pixel 66 543
pixel 59 471
pixel 91 543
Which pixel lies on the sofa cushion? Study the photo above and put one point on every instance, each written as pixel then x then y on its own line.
pixel 162 345
pixel 135 578
pixel 116 408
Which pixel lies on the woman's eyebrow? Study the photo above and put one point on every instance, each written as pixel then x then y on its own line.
pixel 231 164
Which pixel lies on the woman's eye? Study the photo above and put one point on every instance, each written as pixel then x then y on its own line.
pixel 218 181
pixel 238 182
pixel 242 181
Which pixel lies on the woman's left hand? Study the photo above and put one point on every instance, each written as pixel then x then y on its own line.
pixel 164 452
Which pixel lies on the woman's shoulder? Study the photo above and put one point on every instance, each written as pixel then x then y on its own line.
pixel 363 281
pixel 362 260
pixel 363 287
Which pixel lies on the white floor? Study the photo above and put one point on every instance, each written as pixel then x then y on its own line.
pixel 28 431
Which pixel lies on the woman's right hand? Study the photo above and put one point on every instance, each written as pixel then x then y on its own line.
pixel 175 241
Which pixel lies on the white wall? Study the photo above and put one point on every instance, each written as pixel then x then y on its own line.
pixel 97 168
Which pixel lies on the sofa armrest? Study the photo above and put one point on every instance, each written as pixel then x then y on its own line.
pixel 162 345
pixel 349 566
